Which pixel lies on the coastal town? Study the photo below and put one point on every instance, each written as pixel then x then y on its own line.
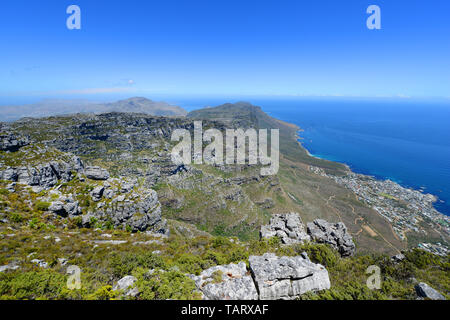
pixel 406 209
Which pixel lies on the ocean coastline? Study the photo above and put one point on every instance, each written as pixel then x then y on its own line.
pixel 404 207
pixel 379 177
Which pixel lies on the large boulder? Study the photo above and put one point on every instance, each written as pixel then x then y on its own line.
pixel 334 234
pixel 141 213
pixel 227 282
pixel 65 206
pixel 43 175
pixel 96 173
pixel 288 227
pixel 126 285
pixel 287 277
pixel 12 142
pixel 425 291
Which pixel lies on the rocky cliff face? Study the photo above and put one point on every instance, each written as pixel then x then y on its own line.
pixel 288 227
pixel 63 182
pixel 334 234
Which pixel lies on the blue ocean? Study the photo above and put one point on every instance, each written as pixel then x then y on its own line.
pixel 402 140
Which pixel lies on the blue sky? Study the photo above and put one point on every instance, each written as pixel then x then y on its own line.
pixel 215 47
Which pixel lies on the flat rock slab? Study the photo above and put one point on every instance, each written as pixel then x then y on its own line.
pixel 287 277
pixel 425 291
pixel 226 282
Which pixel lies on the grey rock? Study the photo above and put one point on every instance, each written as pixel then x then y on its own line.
pixel 109 193
pixel 9 174
pixel 65 206
pixel 334 234
pixel 141 214
pixel 40 263
pixel 12 142
pixel 45 175
pixel 226 282
pixel 62 261
pixel 398 258
pixel 97 193
pixel 126 285
pixel 57 207
pixel 425 291
pixel 11 266
pixel 288 227
pixel 286 277
pixel 96 173
pixel 86 220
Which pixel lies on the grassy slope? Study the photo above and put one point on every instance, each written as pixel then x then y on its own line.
pixel 304 192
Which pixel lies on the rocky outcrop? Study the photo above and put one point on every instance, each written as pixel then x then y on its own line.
pixel 286 277
pixel 65 207
pixel 334 234
pixel 11 266
pixel 12 142
pixel 45 175
pixel 425 291
pixel 96 173
pixel 398 258
pixel 288 227
pixel 227 282
pixel 126 285
pixel 125 205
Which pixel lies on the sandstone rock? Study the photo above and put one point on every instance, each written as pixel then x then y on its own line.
pixel 97 193
pixel 126 285
pixel 45 175
pixel 141 214
pixel 288 227
pixel 65 206
pixel 286 277
pixel 334 234
pixel 227 282
pixel 96 173
pixel 9 174
pixel 12 142
pixel 398 258
pixel 425 291
pixel 40 263
pixel 11 266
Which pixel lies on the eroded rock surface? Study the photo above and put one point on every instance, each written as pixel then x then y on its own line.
pixel 226 282
pixel 288 227
pixel 425 291
pixel 126 285
pixel 287 277
pixel 334 234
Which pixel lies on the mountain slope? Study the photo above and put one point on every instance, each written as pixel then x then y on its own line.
pixel 54 107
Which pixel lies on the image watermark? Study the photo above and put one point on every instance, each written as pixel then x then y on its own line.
pixel 237 141
pixel 74 279
pixel 74 20
pixel 374 280
pixel 374 20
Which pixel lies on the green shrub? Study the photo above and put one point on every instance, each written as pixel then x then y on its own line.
pixel 320 253
pixel 162 285
pixel 104 293
pixel 44 284
pixel 42 206
pixel 15 217
pixel 123 264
